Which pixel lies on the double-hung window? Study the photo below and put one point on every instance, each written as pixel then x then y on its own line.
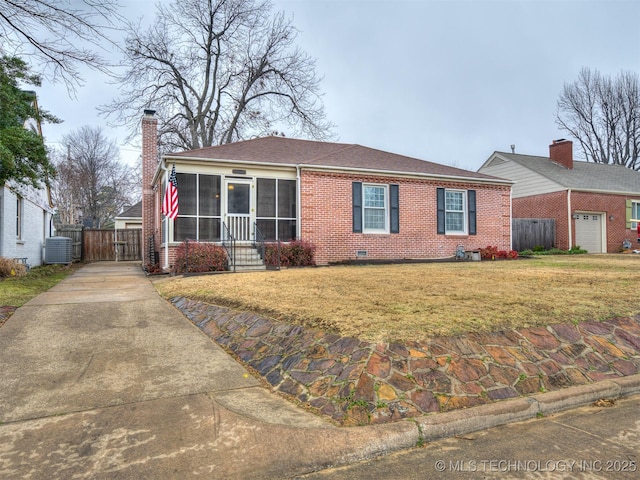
pixel 456 211
pixel 375 208
pixel 455 203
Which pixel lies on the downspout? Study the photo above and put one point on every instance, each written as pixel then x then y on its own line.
pixel 511 218
pixel 299 209
pixel 569 219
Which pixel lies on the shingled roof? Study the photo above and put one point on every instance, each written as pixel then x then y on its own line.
pixel 134 211
pixel 583 176
pixel 289 151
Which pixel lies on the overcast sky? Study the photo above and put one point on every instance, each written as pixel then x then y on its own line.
pixel 447 81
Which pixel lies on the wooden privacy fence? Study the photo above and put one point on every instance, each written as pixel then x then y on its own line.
pixel 528 233
pixel 75 233
pixel 93 245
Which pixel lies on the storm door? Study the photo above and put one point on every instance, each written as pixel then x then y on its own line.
pixel 239 209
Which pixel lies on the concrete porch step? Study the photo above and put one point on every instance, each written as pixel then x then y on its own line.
pixel 247 259
pixel 250 268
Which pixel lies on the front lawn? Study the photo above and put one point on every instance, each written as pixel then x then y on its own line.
pixel 16 291
pixel 419 301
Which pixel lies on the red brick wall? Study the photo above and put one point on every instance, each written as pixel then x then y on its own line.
pixel 550 205
pixel 554 205
pixel 614 205
pixel 326 208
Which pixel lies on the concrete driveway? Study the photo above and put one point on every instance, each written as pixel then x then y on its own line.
pixel 102 378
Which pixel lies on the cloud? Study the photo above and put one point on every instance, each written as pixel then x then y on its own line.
pixel 446 81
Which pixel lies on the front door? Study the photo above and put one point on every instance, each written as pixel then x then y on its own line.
pixel 238 214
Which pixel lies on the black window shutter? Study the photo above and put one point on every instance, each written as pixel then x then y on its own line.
pixel 471 199
pixel 395 208
pixel 440 199
pixel 357 207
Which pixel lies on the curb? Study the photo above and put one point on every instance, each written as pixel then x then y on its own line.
pixel 346 445
pixel 460 422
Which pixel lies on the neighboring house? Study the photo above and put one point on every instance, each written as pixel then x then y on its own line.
pixel 350 202
pixel 593 204
pixel 25 223
pixel 26 215
pixel 130 217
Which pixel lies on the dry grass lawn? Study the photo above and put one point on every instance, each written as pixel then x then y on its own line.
pixel 419 301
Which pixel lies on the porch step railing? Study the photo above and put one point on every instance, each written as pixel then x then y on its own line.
pixel 229 244
pixel 259 244
pixel 258 241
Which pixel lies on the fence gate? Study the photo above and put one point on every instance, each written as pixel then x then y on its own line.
pixel 93 245
pixel 527 233
pixel 75 233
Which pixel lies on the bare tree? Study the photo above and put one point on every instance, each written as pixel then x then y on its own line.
pixel 53 32
pixel 92 178
pixel 217 71
pixel 65 191
pixel 603 115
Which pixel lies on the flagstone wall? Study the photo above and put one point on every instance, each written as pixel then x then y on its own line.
pixel 356 382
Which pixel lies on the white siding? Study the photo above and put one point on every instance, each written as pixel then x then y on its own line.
pixel 527 182
pixel 122 223
pixel 36 218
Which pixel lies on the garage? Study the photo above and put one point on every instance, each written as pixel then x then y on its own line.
pixel 589 232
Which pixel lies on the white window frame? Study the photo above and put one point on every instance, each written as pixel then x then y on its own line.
pixel 198 216
pixel 464 211
pixel 386 209
pixel 635 213
pixel 19 216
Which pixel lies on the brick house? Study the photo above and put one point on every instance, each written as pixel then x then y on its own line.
pixel 26 214
pixel 349 201
pixel 593 204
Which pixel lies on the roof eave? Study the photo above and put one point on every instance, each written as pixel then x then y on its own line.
pixel 208 161
pixel 400 173
pixel 606 192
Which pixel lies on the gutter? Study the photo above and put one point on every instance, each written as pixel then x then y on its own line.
pixel 606 192
pixel 399 173
pixel 298 167
pixel 511 218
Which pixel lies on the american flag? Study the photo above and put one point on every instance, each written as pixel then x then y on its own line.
pixel 170 201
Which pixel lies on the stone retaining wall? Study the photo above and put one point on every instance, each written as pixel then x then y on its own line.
pixel 357 382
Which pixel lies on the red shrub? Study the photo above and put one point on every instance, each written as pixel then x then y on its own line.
pixel 292 254
pixel 192 256
pixel 491 253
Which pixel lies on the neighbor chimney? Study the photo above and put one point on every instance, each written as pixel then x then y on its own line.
pixel 149 165
pixel 561 152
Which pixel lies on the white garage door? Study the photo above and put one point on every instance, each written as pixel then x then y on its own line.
pixel 589 232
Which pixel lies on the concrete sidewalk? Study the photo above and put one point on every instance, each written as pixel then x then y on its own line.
pixel 102 378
